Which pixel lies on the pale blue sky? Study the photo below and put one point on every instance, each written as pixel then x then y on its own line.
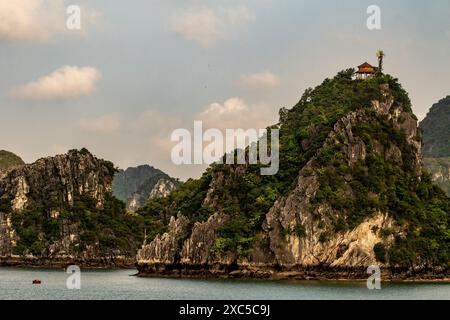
pixel 157 74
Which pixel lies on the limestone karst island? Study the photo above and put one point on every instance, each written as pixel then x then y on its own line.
pixel 224 151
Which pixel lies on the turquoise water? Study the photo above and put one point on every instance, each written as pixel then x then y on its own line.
pixel 16 283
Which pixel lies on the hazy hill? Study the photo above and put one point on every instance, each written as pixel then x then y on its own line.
pixel 436 130
pixel 436 138
pixel 136 185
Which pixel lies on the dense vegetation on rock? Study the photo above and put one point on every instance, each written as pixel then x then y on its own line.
pixel 109 230
pixel 387 178
pixel 9 160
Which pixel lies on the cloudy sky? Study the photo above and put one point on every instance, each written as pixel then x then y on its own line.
pixel 139 69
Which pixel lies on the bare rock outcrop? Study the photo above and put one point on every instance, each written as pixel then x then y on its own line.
pixel 164 249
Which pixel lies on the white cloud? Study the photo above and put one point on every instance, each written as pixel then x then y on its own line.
pixel 262 80
pixel 206 26
pixel 146 138
pixel 235 113
pixel 201 26
pixel 64 83
pixel 38 20
pixel 157 127
pixel 230 107
pixel 107 123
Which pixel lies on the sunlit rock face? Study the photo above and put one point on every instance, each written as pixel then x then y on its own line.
pixel 58 180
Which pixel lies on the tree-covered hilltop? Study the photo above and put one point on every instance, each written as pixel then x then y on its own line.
pixel 436 130
pixel 357 142
pixel 303 130
pixel 9 160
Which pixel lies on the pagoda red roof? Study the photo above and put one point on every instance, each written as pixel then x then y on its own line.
pixel 366 68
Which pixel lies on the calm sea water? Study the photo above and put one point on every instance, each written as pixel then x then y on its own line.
pixel 16 283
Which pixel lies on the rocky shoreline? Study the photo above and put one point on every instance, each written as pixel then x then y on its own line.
pixel 269 273
pixel 293 273
pixel 99 263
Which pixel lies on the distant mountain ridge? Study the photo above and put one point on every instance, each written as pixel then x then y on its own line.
pixel 436 137
pixel 436 130
pixel 136 185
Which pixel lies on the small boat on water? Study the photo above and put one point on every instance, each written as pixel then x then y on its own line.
pixel 37 281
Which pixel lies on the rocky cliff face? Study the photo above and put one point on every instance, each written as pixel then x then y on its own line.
pixel 353 248
pixel 335 220
pixel 51 209
pixel 58 180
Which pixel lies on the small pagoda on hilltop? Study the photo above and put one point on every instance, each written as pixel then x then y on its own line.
pixel 367 71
